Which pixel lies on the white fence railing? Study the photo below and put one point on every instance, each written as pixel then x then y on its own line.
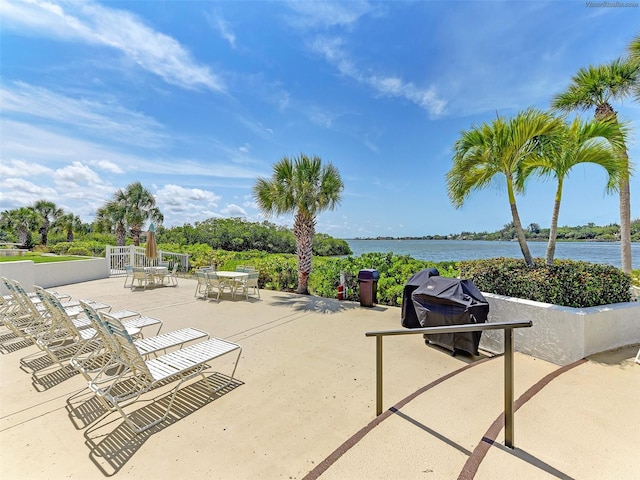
pixel 118 257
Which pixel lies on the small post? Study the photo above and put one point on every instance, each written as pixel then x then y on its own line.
pixel 378 375
pixel 508 387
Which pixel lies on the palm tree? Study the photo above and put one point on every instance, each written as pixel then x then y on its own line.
pixel 48 212
pixel 597 86
pixel 304 187
pixel 141 206
pixel 67 223
pixel 580 142
pixel 129 208
pixel 499 148
pixel 23 220
pixel 111 217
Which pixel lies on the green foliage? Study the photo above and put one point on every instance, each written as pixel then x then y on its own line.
pixel 89 248
pixel 394 272
pixel 567 282
pixel 236 234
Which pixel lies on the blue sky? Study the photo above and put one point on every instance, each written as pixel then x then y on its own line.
pixel 198 99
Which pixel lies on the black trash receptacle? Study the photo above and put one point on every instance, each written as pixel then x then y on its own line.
pixel 368 283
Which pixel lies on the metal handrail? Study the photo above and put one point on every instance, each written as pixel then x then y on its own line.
pixel 467 327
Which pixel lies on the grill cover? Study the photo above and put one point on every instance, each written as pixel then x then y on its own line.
pixel 443 301
pixel 409 317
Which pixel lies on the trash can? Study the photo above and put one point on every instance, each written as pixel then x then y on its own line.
pixel 368 283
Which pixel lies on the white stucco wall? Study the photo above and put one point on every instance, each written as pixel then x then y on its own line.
pixel 562 335
pixel 54 274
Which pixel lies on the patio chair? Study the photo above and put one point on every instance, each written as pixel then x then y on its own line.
pixel 142 276
pixel 129 271
pixel 76 341
pixel 111 350
pixel 217 284
pixel 25 318
pixel 140 376
pixel 202 286
pixel 172 276
pixel 252 282
pixel 64 340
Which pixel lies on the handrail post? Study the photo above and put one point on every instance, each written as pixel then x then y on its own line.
pixel 508 387
pixel 378 375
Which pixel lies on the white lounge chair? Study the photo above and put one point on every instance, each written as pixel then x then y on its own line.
pixel 139 375
pixel 146 346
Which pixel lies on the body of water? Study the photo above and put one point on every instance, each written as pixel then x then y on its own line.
pixel 444 250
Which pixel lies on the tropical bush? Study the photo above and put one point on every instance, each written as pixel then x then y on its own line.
pixel 89 249
pixel 567 282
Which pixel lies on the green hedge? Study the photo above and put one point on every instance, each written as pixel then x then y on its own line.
pixel 569 283
pixel 394 272
pixel 89 249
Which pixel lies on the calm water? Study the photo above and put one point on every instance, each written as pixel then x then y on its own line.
pixel 443 250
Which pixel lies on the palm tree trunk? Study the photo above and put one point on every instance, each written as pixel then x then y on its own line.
pixel 522 240
pixel 604 111
pixel 553 230
pixel 553 233
pixel 625 223
pixel 23 236
pixel 304 230
pixel 120 235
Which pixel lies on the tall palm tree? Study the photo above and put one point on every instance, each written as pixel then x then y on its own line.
pixel 499 148
pixel 48 212
pixel 129 208
pixel 141 206
pixel 67 223
pixel 597 86
pixel 111 217
pixel 23 220
pixel 304 187
pixel 579 142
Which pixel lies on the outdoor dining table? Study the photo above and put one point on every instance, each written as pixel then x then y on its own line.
pixel 157 274
pixel 234 277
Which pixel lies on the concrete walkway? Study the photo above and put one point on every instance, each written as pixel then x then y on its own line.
pixel 304 404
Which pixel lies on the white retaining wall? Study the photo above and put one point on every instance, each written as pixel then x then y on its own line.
pixel 562 335
pixel 53 274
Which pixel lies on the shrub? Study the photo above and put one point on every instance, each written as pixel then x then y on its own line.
pixel 88 249
pixel 394 272
pixel 77 250
pixel 567 282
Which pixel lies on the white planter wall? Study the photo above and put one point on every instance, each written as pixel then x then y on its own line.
pixel 562 335
pixel 54 274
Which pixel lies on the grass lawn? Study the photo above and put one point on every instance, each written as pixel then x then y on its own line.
pixel 39 258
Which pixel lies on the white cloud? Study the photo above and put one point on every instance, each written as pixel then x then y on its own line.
pixel 92 23
pixel 390 86
pixel 175 194
pixel 320 13
pixel 222 27
pixel 104 119
pixel 18 168
pixel 233 210
pixel 109 166
pixel 76 174
pixel 186 205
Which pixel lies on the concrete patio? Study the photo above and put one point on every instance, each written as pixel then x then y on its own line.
pixel 303 405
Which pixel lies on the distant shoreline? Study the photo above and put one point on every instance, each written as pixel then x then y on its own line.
pixel 537 240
